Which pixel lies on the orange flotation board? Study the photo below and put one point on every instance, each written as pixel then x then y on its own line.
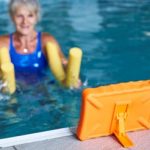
pixel 115 109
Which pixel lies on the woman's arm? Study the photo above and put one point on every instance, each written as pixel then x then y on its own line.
pixel 4 41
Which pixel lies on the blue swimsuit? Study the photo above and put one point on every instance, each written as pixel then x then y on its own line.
pixel 34 62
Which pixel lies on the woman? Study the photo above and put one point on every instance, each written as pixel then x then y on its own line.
pixel 27 46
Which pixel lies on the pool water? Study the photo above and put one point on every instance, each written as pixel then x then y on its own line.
pixel 115 38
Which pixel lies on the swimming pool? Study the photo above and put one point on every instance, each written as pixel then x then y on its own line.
pixel 114 36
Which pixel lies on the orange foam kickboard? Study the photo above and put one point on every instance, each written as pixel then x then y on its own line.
pixel 115 108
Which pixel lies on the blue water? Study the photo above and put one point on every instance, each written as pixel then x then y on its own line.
pixel 115 38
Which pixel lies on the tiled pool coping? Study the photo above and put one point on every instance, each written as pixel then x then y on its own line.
pixel 139 138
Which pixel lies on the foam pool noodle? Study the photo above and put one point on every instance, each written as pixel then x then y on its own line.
pixel 54 62
pixel 7 70
pixel 4 58
pixel 73 67
pixel 4 55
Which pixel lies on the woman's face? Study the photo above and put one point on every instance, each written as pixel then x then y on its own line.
pixel 24 20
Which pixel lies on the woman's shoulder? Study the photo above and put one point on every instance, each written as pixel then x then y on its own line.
pixel 46 37
pixel 4 41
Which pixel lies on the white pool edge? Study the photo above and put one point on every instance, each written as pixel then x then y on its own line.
pixel 41 136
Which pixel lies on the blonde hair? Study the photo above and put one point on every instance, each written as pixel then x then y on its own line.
pixel 32 5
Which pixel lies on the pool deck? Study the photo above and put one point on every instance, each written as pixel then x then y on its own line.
pixel 141 140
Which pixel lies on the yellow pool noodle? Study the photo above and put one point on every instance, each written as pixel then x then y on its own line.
pixel 4 56
pixel 8 76
pixel 73 67
pixel 54 61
